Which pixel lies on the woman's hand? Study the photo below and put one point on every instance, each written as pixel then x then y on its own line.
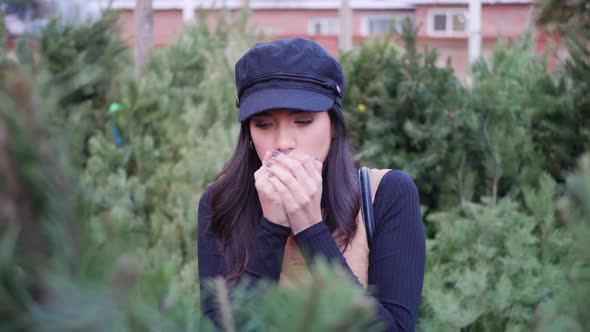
pixel 297 178
pixel 271 203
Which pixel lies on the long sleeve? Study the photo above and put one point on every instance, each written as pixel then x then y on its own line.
pixel 265 259
pixel 398 256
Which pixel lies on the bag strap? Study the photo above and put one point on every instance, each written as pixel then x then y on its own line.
pixel 367 204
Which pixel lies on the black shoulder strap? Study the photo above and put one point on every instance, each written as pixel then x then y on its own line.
pixel 367 204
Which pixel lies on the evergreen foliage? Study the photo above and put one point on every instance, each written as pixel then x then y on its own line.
pixel 45 284
pixel 323 301
pixel 569 310
pixel 178 128
pixel 81 258
pixel 98 236
pixel 491 264
pixel 461 143
pixel 510 129
pixel 571 21
pixel 83 63
pixel 402 108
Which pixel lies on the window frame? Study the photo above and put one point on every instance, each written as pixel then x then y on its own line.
pixel 398 17
pixel 448 13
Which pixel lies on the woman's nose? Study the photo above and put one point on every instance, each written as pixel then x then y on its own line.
pixel 285 140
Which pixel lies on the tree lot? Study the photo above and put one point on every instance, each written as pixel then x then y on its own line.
pixel 102 238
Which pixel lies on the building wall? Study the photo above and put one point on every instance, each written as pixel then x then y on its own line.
pixel 290 22
pixel 499 20
pixel 505 20
pixel 167 24
pixel 359 15
pixel 496 20
pixel 455 51
pixel 281 23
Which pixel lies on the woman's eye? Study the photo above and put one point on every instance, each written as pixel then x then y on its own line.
pixel 303 122
pixel 262 124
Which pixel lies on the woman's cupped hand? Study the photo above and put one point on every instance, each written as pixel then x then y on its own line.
pixel 289 187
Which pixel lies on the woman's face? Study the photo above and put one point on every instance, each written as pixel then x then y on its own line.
pixel 285 130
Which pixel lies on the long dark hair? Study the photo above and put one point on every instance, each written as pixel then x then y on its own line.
pixel 236 211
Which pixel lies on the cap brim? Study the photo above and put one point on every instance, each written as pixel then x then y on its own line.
pixel 291 99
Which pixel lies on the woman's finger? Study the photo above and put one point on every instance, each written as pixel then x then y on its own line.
pixel 319 165
pixel 289 202
pixel 266 157
pixel 261 182
pixel 293 165
pixel 304 172
pixel 309 164
pixel 283 174
pixel 298 192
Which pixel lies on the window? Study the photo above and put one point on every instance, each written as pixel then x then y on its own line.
pixel 379 24
pixel 323 26
pixel 447 22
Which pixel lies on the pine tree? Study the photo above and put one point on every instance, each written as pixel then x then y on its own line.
pixel 47 272
pixel 84 63
pixel 569 309
pixel 491 264
pixel 402 109
pixel 571 22
pixel 90 253
pixel 459 143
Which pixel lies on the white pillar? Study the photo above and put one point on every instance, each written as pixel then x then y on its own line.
pixel 345 33
pixel 474 23
pixel 144 34
pixel 188 11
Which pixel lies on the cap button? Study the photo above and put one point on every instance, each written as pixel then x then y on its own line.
pixel 237 102
pixel 338 90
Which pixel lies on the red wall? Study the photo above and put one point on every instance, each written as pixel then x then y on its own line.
pixel 167 24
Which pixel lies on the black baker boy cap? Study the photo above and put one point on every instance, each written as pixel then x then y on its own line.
pixel 289 73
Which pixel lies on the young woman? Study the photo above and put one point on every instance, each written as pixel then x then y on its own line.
pixel 292 186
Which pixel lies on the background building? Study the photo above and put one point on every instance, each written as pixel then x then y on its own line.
pixel 441 24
